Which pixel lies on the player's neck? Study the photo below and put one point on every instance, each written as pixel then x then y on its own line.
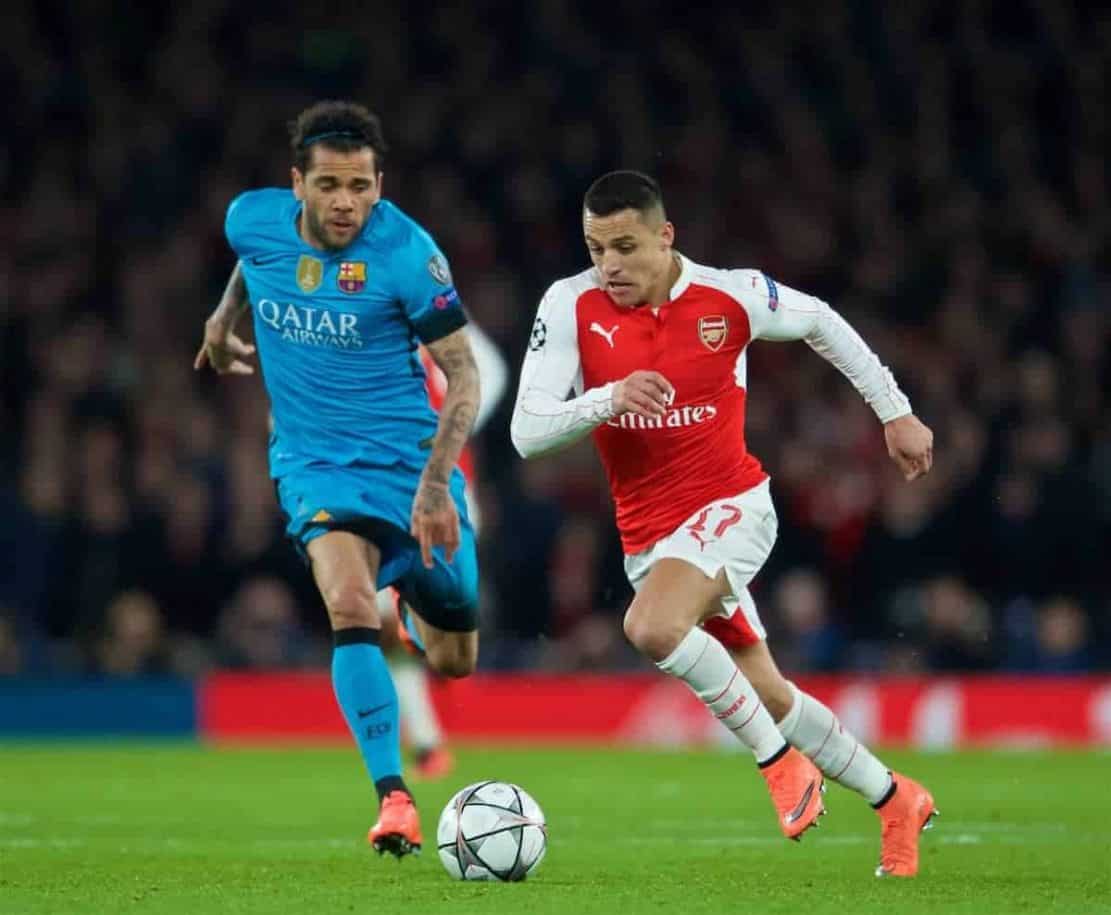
pixel 660 291
pixel 306 236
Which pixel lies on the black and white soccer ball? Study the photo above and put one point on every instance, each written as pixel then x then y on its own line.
pixel 492 831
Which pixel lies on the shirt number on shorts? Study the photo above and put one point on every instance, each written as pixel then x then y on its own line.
pixel 716 519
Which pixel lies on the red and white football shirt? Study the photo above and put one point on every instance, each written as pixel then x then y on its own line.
pixel 662 470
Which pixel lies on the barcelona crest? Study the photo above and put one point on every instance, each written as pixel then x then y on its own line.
pixel 712 331
pixel 310 273
pixel 352 276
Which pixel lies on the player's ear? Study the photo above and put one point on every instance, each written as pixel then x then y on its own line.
pixel 298 181
pixel 381 181
pixel 667 235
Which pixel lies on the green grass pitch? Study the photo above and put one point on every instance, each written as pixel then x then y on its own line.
pixel 182 828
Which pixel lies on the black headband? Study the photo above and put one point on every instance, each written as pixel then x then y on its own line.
pixel 329 134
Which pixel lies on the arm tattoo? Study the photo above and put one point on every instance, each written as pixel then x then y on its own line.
pixel 234 300
pixel 454 357
pixel 432 499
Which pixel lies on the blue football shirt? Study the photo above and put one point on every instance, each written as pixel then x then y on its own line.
pixel 337 332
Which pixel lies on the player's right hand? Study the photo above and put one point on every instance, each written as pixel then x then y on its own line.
pixel 644 393
pixel 434 521
pixel 910 442
pixel 224 351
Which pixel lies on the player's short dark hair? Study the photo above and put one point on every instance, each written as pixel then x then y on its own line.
pixel 343 126
pixel 624 190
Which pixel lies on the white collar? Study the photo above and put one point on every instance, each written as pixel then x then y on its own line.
pixel 686 267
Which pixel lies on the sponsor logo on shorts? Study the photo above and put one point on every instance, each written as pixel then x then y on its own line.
pixel 726 516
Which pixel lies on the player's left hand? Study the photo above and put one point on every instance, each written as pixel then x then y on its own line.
pixel 910 442
pixel 224 351
pixel 434 521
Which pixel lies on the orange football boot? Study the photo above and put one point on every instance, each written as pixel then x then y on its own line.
pixel 398 828
pixel 796 787
pixel 433 764
pixel 904 815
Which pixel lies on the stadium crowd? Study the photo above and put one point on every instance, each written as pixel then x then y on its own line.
pixel 938 175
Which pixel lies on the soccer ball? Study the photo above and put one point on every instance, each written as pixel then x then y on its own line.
pixel 491 831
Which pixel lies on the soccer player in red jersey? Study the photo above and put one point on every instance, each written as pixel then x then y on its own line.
pixel 652 349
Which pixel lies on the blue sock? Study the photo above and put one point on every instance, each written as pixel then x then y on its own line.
pixel 366 695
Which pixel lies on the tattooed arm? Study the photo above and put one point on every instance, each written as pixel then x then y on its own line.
pixel 221 347
pixel 435 521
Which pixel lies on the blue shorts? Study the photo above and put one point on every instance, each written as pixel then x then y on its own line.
pixel 375 502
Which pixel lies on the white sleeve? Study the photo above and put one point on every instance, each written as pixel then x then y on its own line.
pixel 780 313
pixel 544 419
pixel 493 374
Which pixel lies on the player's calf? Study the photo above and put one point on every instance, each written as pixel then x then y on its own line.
pixel 449 662
pixel 452 654
pixel 774 690
pixel 446 651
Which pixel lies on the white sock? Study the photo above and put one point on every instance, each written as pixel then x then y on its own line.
pixel 702 662
pixel 814 730
pixel 418 717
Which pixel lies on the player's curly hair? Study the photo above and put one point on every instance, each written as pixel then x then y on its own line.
pixel 624 190
pixel 339 125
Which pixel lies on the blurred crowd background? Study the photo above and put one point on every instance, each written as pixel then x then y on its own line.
pixel 937 172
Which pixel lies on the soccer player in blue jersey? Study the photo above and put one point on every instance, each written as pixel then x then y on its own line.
pixel 343 287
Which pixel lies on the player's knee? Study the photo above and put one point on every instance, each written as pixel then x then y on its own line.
pixel 774 690
pixel 651 634
pixel 351 603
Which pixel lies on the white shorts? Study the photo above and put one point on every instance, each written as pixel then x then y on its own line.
pixel 736 534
